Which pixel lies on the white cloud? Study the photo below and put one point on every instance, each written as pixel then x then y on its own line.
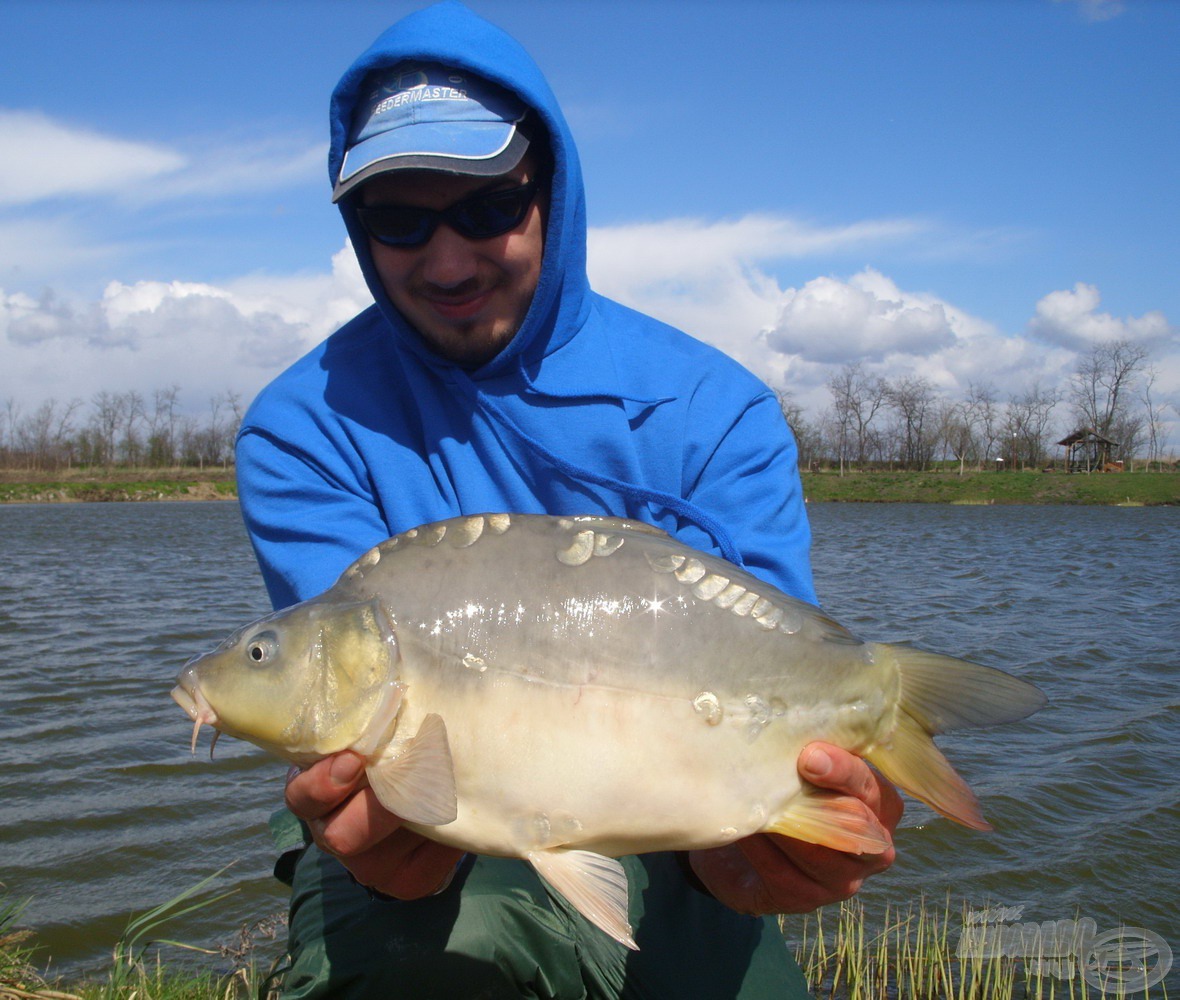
pixel 237 335
pixel 151 334
pixel 48 159
pixel 44 158
pixel 1070 318
pixel 866 317
pixel 706 279
pixel 1097 10
pixel 217 169
pixel 703 278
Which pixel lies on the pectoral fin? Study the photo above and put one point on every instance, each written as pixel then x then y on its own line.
pixel 831 820
pixel 594 885
pixel 416 779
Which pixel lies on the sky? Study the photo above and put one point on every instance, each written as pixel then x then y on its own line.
pixel 969 191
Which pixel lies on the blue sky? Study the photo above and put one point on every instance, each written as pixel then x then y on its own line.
pixel 968 191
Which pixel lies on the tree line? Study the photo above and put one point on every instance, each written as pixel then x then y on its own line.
pixel 120 429
pixel 907 423
pixel 904 422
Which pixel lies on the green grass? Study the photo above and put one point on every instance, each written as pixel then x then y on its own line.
pixel 137 970
pixel 940 486
pixel 1127 488
pixel 911 953
pixel 117 484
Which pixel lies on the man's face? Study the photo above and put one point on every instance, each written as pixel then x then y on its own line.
pixel 466 297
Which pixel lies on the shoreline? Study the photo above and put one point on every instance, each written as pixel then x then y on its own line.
pixel 1125 489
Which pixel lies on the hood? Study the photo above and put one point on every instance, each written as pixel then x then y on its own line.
pixel 450 34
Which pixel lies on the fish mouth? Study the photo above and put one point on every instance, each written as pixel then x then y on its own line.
pixel 188 696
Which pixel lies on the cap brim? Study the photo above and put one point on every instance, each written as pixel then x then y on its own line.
pixel 479 149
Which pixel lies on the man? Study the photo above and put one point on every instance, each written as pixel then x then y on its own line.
pixel 489 377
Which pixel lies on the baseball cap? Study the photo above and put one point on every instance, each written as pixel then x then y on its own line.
pixel 425 116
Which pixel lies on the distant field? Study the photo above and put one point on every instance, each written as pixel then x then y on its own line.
pixel 96 485
pixel 1148 488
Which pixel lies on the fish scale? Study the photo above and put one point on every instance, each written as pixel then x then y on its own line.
pixel 569 690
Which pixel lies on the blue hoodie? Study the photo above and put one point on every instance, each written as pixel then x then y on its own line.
pixel 591 408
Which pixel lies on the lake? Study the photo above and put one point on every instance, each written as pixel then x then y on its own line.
pixel 105 813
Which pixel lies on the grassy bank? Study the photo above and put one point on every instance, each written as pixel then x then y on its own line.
pixel 1128 488
pixel 102 485
pixel 914 952
pixel 138 970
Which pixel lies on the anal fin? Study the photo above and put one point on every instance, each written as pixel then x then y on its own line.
pixel 416 779
pixel 912 762
pixel 596 886
pixel 831 820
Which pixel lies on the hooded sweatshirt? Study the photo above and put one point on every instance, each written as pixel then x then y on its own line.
pixel 592 408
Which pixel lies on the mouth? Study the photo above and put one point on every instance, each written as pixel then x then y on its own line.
pixel 459 308
pixel 188 696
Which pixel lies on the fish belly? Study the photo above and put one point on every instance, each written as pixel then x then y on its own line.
pixel 542 765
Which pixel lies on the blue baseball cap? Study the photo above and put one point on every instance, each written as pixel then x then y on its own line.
pixel 423 116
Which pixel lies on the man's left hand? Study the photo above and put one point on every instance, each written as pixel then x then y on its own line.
pixel 768 873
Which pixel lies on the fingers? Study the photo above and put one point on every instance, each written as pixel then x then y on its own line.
pixel 341 811
pixel 837 770
pixel 347 821
pixel 317 790
pixel 799 877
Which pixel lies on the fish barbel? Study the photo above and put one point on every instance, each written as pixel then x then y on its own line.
pixel 570 690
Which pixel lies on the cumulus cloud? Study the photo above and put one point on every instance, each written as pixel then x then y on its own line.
pixel 1070 318
pixel 866 317
pixel 150 334
pixel 706 277
pixel 712 280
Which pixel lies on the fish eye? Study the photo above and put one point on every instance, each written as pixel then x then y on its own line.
pixel 262 648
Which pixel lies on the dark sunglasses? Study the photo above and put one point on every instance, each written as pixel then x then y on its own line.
pixel 479 217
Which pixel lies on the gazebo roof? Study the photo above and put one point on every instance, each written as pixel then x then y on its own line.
pixel 1087 434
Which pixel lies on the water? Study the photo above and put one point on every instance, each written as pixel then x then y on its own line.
pixel 103 812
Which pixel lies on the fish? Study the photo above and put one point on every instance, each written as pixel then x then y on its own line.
pixel 572 690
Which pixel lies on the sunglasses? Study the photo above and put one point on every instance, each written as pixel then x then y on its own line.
pixel 479 217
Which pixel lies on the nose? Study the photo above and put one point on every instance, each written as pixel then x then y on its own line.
pixel 448 259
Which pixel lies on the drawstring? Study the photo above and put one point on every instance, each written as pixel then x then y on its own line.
pixel 678 505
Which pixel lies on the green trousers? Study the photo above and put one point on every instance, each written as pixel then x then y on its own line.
pixel 499 932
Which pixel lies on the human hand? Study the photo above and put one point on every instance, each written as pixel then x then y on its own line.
pixel 346 820
pixel 768 873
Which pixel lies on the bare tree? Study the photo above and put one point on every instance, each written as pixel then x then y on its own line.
pixel 1154 416
pixel 856 398
pixel 1027 424
pixel 984 416
pixel 105 420
pixel 955 432
pixel 162 423
pixel 912 399
pixel 1101 383
pixel 134 413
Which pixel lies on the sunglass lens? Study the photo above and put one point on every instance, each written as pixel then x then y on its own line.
pixel 493 214
pixel 398 225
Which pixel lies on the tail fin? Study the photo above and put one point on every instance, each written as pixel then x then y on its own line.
pixel 939 693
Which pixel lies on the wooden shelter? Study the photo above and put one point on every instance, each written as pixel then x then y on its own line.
pixel 1087 450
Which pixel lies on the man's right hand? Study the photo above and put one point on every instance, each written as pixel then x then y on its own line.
pixel 346 820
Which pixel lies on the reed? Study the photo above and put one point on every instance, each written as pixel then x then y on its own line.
pixel 913 953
